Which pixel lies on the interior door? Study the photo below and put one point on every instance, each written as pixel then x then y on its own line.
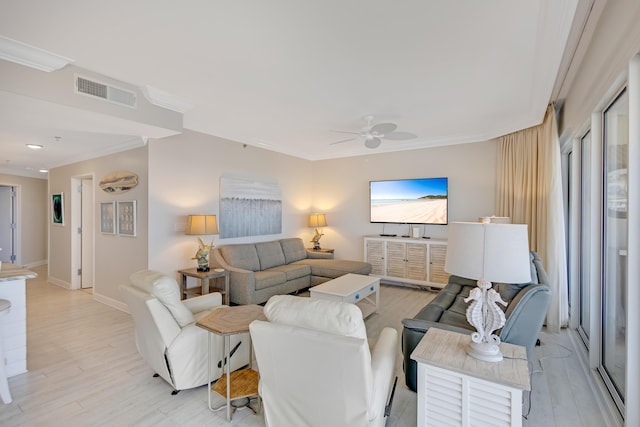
pixel 7 228
pixel 87 219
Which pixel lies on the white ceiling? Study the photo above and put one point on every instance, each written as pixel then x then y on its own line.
pixel 283 74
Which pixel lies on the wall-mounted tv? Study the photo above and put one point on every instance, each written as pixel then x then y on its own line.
pixel 409 201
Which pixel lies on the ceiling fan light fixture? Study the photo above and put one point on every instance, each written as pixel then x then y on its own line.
pixel 372 142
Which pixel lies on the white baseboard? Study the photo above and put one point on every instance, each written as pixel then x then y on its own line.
pixel 36 263
pixel 118 305
pixel 59 282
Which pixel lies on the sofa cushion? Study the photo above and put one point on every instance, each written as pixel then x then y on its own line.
pixel 242 256
pixel 334 317
pixel 166 290
pixel 508 290
pixel 334 268
pixel 293 271
pixel 270 254
pixel 269 278
pixel 293 249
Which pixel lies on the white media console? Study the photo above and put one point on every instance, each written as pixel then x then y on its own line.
pixel 417 261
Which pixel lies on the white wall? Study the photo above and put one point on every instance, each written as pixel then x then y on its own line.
pixel 184 178
pixel 116 257
pixel 615 41
pixel 341 190
pixel 185 171
pixel 31 246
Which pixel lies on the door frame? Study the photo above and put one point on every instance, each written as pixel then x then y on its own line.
pixel 16 238
pixel 76 222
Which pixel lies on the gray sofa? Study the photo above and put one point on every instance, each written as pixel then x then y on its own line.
pixel 525 313
pixel 261 270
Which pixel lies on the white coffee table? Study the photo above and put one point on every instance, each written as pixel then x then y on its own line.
pixel 353 288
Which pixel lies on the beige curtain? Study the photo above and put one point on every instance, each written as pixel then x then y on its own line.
pixel 529 191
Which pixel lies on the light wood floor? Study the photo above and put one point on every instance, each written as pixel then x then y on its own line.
pixel 84 370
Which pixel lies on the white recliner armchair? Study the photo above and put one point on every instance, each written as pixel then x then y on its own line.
pixel 315 365
pixel 166 335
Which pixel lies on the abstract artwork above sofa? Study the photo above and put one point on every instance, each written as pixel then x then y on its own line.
pixel 249 208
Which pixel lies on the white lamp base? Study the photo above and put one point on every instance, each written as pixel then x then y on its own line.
pixel 485 351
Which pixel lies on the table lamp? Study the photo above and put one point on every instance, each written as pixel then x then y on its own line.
pixel 317 220
pixel 202 225
pixel 487 253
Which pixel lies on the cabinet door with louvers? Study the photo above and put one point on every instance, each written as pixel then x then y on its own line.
pixel 375 256
pixel 396 259
pixel 416 257
pixel 437 257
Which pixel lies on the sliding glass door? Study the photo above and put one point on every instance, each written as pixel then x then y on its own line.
pixel 614 245
pixel 584 311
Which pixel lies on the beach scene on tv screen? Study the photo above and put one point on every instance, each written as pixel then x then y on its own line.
pixel 414 201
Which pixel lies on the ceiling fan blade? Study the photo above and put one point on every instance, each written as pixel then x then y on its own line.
pixel 384 128
pixel 345 131
pixel 344 140
pixel 400 136
pixel 372 142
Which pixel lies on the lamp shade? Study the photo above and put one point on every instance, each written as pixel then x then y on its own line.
pixel 491 252
pixel 317 220
pixel 202 225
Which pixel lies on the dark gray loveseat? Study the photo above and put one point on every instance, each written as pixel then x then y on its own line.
pixel 525 313
pixel 260 270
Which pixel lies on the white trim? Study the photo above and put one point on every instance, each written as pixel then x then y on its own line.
pixel 632 381
pixel 118 305
pixel 165 100
pixel 30 56
pixel 58 282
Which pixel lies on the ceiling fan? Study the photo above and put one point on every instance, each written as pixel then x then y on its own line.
pixel 374 134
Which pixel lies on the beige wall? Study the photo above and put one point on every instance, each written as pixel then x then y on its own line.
pixel 31 247
pixel 615 41
pixel 184 178
pixel 341 189
pixel 185 171
pixel 116 257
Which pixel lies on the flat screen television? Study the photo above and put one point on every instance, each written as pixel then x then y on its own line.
pixel 409 201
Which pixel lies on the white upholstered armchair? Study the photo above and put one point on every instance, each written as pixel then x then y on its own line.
pixel 166 335
pixel 315 365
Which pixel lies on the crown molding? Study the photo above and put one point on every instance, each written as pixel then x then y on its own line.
pixel 165 100
pixel 30 56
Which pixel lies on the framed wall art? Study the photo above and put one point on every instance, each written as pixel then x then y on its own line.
pixel 108 218
pixel 57 208
pixel 127 218
pixel 249 208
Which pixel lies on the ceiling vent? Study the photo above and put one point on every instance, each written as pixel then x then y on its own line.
pixel 107 92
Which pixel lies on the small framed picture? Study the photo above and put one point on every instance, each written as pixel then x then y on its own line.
pixel 127 218
pixel 108 218
pixel 57 208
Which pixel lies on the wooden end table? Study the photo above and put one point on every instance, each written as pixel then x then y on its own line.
pixel 454 387
pixel 205 278
pixel 322 250
pixel 227 321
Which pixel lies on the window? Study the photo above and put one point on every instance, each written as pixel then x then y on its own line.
pixel 614 245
